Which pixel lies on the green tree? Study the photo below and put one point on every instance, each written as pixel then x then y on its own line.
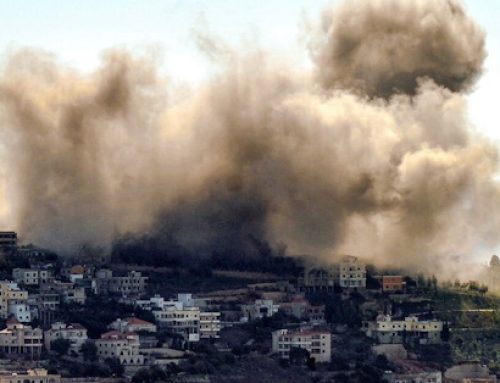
pixel 60 346
pixel 89 351
pixel 115 366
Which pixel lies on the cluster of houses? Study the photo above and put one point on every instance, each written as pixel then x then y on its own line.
pixel 35 295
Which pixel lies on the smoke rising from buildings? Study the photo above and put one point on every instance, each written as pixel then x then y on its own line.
pixel 372 155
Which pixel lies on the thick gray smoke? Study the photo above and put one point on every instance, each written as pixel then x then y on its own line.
pixel 383 163
pixel 381 47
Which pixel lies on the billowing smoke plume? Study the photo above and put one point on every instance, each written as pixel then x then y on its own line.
pixel 384 46
pixel 380 161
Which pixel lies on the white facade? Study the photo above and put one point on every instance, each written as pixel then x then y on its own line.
pixel 185 321
pixel 37 375
pixel 14 301
pixel 387 330
pixel 318 343
pixel 124 346
pixel 352 273
pixel 74 332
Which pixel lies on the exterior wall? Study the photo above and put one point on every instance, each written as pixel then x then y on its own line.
pixel 317 279
pixel 20 310
pixel 19 339
pixel 393 283
pixel 10 295
pixel 386 330
pixel 38 375
pixel 262 308
pixel 8 239
pixel 352 273
pixel 132 325
pixel 318 343
pixel 210 325
pixel 125 347
pixel 75 333
pixel 185 321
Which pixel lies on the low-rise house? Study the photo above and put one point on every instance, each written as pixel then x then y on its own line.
pixel 20 309
pixel 393 284
pixel 469 373
pixel 124 346
pixel 132 325
pixel 261 308
pixel 352 273
pixel 210 325
pixel 416 377
pixel 20 339
pixel 316 342
pixel 36 375
pixel 387 330
pixel 75 333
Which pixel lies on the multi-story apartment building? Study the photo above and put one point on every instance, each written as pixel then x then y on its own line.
pixel 316 342
pixel 74 332
pixel 317 279
pixel 31 277
pixel 387 330
pixel 132 325
pixel 131 284
pixel 209 325
pixel 124 346
pixel 13 300
pixel 20 339
pixel 37 375
pixel 351 273
pixel 184 321
pixel 393 283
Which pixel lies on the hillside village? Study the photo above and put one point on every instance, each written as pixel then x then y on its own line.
pixel 90 320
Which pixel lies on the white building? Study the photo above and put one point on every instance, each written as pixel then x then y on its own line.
pixel 124 346
pixel 14 301
pixel 387 330
pixel 31 277
pixel 132 325
pixel 261 308
pixel 209 325
pixel 351 273
pixel 74 332
pixel 20 339
pixel 317 343
pixel 183 321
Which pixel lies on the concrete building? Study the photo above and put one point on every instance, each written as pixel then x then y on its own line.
pixel 74 332
pixel 351 273
pixel 184 321
pixel 261 308
pixel 20 339
pixel 416 377
pixel 210 325
pixel 131 284
pixel 132 325
pixel 393 284
pixel 317 343
pixel 124 346
pixel 37 375
pixel 317 279
pixel 387 330
pixel 13 301
pixel 31 277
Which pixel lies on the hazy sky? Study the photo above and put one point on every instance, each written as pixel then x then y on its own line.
pixel 78 31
